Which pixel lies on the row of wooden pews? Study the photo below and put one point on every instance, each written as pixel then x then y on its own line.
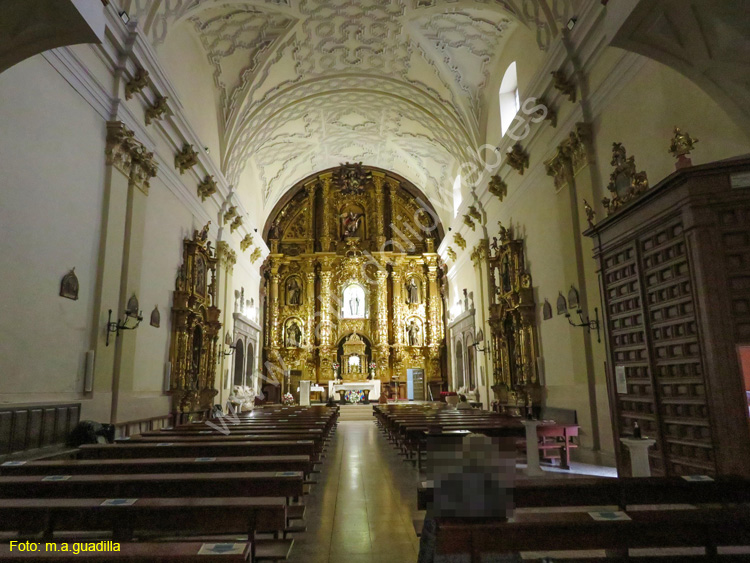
pixel 408 426
pixel 183 493
pixel 628 519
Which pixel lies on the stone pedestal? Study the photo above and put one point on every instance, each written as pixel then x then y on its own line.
pixel 638 448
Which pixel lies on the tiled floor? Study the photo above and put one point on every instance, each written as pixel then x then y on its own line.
pixel 361 509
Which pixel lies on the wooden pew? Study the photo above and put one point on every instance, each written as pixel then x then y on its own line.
pixel 145 517
pixel 623 492
pixel 288 484
pixel 145 552
pixel 216 448
pixel 703 528
pixel 160 465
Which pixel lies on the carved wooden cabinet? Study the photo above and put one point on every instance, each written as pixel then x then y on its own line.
pixel 674 270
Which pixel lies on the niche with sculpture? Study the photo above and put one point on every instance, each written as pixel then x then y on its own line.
pixel 195 327
pixel 513 325
pixel 293 287
pixel 293 335
pixel 352 218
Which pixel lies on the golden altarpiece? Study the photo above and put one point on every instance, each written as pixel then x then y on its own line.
pixel 195 327
pixel 352 285
pixel 513 326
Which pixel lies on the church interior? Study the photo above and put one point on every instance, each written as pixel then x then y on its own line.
pixel 304 280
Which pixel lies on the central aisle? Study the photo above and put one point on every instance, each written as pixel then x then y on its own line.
pixel 362 507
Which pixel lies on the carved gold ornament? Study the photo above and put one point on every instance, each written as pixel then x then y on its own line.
pixel 498 187
pixel 129 156
pixel 517 159
pixel 136 84
pixel 230 214
pixel 460 241
pixel 186 158
pixel 571 157
pixel 625 183
pixel 474 212
pixel 246 242
pixel 512 318
pixel 255 255
pixel 469 222
pixel 331 275
pixel 194 348
pixel 157 110
pixel 681 146
pixel 451 253
pixel 551 114
pixel 207 188
pixel 564 84
pixel 236 224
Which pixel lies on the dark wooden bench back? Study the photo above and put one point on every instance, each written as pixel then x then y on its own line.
pixel 26 428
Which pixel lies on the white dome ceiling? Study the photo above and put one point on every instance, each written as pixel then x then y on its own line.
pixel 304 85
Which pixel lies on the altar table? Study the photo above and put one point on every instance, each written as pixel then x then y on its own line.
pixel 373 385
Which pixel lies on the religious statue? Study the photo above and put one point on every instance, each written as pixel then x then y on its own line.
pixel 506 274
pixel 413 332
pixel 494 246
pixel 350 223
pixel 412 292
pixel 293 292
pixel 236 301
pixel 504 234
pixel 354 306
pixel 293 336
pixel 275 231
pixel 590 214
pixel 203 235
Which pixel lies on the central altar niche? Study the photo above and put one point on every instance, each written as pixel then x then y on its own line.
pixel 353 354
pixel 353 286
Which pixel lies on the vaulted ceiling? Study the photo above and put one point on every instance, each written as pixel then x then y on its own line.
pixel 304 85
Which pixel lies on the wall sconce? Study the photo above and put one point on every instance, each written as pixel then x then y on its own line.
pixel 479 338
pixel 587 324
pixel 228 343
pixel 131 312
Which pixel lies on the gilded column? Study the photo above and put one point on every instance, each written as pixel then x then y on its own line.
pixel 274 306
pixel 397 278
pixel 434 321
pixel 309 304
pixel 379 181
pixel 325 331
pixel 393 187
pixel 326 181
pixel 381 334
pixel 310 245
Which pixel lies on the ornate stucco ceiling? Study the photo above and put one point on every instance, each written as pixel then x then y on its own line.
pixel 303 85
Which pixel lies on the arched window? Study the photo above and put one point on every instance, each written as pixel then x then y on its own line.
pixel 457 195
pixel 239 363
pixel 510 100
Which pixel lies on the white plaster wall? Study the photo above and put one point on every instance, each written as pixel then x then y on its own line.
pixel 189 71
pixel 52 162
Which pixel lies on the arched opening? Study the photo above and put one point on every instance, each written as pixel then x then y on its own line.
pixel 239 363
pixel 510 100
pixel 354 304
pixel 459 374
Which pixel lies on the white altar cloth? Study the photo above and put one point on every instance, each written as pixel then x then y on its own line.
pixel 372 384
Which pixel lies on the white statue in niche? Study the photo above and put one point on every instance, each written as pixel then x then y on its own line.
pixel 354 302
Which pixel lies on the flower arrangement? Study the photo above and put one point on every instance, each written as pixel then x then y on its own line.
pixel 287 399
